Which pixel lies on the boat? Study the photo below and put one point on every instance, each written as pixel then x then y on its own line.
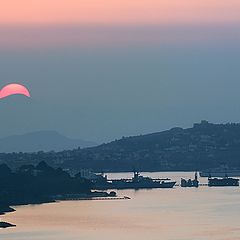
pixel 136 182
pixel 101 182
pixel 223 182
pixel 221 171
pixel 190 182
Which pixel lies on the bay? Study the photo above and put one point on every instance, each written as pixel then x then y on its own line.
pixel 171 214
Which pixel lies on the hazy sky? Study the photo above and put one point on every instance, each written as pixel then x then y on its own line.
pixel 103 69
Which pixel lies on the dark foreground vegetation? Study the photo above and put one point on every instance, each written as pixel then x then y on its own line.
pixel 37 184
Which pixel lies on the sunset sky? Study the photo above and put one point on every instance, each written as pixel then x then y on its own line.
pixel 101 69
pixel 89 23
pixel 111 12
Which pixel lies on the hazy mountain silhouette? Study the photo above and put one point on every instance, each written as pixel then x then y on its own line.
pixel 41 141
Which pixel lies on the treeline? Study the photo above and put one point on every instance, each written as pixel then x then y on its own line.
pixel 36 184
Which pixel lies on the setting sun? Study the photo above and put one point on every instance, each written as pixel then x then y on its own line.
pixel 12 89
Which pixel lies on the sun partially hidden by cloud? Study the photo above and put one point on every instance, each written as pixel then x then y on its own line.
pixel 12 89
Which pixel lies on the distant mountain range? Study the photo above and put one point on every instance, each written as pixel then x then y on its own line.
pixel 205 145
pixel 41 141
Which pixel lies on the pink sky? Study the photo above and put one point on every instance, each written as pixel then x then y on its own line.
pixel 119 12
pixel 81 23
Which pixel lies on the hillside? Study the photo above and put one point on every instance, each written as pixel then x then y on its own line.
pixel 41 141
pixel 202 146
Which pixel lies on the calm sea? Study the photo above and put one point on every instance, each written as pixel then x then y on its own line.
pixel 168 214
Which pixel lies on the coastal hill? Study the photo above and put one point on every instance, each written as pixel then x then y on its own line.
pixel 202 146
pixel 41 141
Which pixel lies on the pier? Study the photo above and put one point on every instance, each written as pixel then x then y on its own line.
pixel 92 198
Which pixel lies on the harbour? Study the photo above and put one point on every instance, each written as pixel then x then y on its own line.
pixel 193 213
pixel 138 181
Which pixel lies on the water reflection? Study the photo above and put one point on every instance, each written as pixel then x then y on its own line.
pixel 170 214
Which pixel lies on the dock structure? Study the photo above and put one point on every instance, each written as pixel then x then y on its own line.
pixel 93 198
pixel 190 182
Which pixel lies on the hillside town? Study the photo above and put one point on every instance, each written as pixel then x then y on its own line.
pixel 205 145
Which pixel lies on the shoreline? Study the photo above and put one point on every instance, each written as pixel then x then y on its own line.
pixel 6 209
pixel 3 210
pixel 96 195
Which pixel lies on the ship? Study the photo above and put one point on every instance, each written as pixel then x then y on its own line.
pixel 190 182
pixel 136 182
pixel 223 182
pixel 221 171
